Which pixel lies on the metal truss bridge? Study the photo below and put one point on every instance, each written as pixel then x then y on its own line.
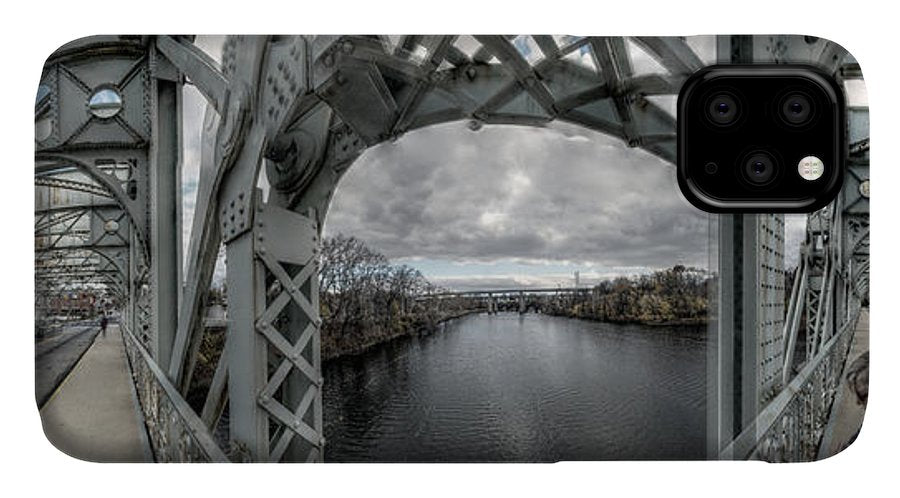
pixel 294 112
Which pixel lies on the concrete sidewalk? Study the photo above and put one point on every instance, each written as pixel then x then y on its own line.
pixel 848 412
pixel 93 414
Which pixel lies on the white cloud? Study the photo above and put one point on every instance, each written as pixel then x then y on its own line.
pixel 559 194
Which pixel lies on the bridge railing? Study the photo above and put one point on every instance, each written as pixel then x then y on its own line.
pixel 175 431
pixel 790 428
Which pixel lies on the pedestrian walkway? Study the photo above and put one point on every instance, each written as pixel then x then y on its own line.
pixel 848 412
pixel 93 415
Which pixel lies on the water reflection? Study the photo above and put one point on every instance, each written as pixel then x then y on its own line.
pixel 521 388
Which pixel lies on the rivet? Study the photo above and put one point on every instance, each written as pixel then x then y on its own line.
pixel 328 60
pixel 296 423
pixel 347 47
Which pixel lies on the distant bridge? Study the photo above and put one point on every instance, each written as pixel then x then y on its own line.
pixel 495 300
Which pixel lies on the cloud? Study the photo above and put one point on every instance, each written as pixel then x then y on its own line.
pixel 558 194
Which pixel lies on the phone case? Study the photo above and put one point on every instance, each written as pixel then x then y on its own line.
pixel 426 249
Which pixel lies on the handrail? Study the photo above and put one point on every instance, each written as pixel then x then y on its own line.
pixel 191 422
pixel 748 442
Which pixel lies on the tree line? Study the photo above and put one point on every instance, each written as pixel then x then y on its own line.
pixel 364 299
pixel 677 295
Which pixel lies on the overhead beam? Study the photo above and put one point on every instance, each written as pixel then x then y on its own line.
pixel 199 68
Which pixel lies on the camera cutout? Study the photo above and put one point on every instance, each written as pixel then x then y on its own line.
pixel 723 109
pixel 797 109
pixel 760 169
pixel 746 132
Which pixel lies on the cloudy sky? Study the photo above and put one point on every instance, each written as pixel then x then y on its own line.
pixel 506 206
pixel 513 206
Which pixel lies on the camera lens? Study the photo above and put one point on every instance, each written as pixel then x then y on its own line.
pixel 759 168
pixel 797 109
pixel 722 109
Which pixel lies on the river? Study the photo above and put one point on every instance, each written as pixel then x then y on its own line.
pixel 512 387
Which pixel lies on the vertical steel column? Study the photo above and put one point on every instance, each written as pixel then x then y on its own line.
pixel 165 202
pixel 131 300
pixel 247 358
pixel 298 384
pixel 275 380
pixel 735 344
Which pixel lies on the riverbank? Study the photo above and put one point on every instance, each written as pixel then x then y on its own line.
pixel 678 322
pixel 334 348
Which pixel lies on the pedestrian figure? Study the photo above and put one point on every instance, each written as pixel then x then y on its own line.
pixel 103 322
